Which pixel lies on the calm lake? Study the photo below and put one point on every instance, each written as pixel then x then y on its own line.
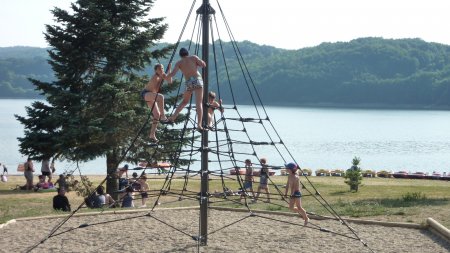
pixel 411 140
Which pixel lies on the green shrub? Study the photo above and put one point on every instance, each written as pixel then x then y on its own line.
pixel 353 175
pixel 414 196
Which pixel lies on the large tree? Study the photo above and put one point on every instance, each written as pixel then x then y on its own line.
pixel 93 109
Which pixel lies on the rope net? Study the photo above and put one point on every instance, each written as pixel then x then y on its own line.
pixel 233 138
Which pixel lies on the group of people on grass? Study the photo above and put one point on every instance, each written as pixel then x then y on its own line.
pixel 45 178
pixel 292 186
pixel 188 65
pixel 130 188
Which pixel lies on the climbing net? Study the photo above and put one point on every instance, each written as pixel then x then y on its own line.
pixel 232 138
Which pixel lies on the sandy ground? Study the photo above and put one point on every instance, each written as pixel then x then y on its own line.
pixel 274 233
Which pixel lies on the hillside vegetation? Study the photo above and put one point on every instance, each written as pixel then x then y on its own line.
pixel 366 72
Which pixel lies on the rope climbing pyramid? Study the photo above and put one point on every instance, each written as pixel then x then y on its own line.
pixel 231 162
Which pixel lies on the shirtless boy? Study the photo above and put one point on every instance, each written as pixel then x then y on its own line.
pixel 150 94
pixel 248 181
pixel 194 83
pixel 293 183
pixel 213 105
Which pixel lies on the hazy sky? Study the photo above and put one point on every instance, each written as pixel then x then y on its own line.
pixel 290 24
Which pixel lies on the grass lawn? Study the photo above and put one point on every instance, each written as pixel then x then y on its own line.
pixel 384 199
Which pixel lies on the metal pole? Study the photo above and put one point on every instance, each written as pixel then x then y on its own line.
pixel 205 10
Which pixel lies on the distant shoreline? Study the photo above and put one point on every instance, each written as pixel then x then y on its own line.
pixel 325 105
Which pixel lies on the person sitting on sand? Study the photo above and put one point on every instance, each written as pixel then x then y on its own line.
pixel 102 199
pixel 194 84
pixel 293 184
pixel 60 201
pixel 127 200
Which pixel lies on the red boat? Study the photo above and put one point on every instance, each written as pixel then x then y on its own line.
pixel 241 171
pixel 400 174
pixel 255 172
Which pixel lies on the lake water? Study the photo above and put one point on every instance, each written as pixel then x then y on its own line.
pixel 411 140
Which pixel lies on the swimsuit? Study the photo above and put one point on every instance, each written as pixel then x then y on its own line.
pixel 263 180
pixel 194 82
pixel 143 93
pixel 248 184
pixel 297 194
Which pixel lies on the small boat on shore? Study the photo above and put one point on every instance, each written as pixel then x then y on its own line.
pixel 435 176
pixel 417 175
pixel 241 171
pixel 400 174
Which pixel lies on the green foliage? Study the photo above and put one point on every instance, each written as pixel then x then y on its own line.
pixel 353 175
pixel 83 188
pixel 93 107
pixel 413 196
pixel 365 72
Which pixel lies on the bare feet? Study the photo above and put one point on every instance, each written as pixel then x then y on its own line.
pixel 153 139
pixel 172 118
pixel 306 221
pixel 166 121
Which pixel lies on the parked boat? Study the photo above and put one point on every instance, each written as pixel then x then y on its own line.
pixel 368 173
pixel 337 173
pixel 241 171
pixel 384 173
pixel 417 175
pixel 435 175
pixel 322 172
pixel 400 174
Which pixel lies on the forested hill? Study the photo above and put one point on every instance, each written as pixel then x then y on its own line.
pixel 366 72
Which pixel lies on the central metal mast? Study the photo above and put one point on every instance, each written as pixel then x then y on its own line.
pixel 205 10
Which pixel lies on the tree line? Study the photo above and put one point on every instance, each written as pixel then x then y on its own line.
pixel 370 72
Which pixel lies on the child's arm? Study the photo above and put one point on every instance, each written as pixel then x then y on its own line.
pixel 165 76
pixel 287 187
pixel 174 71
pixel 220 106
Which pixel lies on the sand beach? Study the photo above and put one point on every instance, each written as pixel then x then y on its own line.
pixel 172 230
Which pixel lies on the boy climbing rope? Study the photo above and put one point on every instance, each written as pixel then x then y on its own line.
pixel 293 183
pixel 154 99
pixel 194 83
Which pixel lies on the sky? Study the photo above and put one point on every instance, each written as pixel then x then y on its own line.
pixel 289 24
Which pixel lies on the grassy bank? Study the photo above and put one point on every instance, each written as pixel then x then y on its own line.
pixel 402 200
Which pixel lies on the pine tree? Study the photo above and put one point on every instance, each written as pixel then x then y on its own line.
pixel 353 175
pixel 98 53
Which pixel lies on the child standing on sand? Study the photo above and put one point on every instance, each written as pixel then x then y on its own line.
pixel 293 183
